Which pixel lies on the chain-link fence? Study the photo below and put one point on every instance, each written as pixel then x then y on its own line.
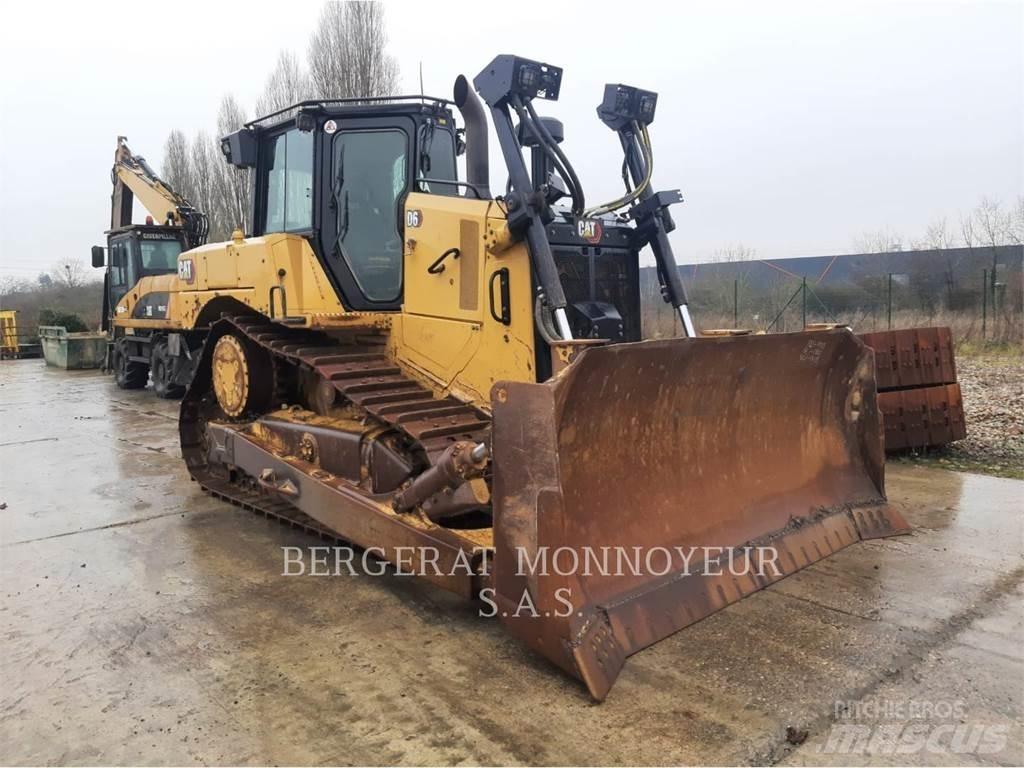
pixel 980 303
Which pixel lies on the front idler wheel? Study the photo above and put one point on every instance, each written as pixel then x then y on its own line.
pixel 243 376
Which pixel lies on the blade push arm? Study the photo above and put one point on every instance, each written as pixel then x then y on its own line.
pixel 510 82
pixel 628 111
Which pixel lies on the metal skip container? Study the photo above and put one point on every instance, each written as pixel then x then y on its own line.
pixel 641 489
pixel 72 350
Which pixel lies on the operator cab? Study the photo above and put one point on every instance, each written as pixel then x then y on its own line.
pixel 337 173
pixel 134 252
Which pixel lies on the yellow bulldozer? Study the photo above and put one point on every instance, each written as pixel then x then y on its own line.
pixel 446 376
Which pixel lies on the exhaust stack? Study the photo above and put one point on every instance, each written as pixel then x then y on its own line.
pixel 477 172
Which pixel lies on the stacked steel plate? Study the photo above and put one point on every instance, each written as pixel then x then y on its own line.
pixel 918 393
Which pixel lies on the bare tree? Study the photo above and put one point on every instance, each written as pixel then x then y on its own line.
pixel 287 84
pixel 347 56
pixel 10 284
pixel 967 233
pixel 881 241
pixel 1015 231
pixel 737 252
pixel 991 223
pixel 994 228
pixel 203 161
pixel 70 273
pixel 938 235
pixel 231 184
pixel 177 169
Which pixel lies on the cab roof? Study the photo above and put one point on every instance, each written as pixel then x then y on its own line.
pixel 372 105
pixel 169 229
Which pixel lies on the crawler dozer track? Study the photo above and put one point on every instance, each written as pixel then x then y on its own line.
pixel 671 448
pixel 249 460
pixel 358 369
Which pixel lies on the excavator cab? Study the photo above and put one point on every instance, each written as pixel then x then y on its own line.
pixel 425 365
pixel 134 252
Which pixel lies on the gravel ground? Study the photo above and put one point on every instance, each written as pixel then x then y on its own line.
pixel 993 393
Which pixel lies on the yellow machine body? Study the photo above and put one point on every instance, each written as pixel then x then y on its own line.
pixel 504 405
pixel 444 334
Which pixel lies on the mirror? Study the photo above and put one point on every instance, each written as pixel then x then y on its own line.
pixel 97 256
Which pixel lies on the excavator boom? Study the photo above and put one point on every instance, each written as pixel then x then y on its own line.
pixel 132 178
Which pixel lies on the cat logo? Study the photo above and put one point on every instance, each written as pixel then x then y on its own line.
pixel 186 271
pixel 589 230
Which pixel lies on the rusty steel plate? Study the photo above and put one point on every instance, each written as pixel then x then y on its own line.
pixel 926 417
pixel 912 357
pixel 886 360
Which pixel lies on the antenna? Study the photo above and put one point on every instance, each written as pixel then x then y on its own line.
pixel 422 93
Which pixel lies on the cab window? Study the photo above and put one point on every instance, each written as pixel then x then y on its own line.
pixel 370 178
pixel 288 180
pixel 159 256
pixel 436 163
pixel 122 266
pixel 118 274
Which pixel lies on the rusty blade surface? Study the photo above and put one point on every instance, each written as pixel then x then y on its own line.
pixel 651 452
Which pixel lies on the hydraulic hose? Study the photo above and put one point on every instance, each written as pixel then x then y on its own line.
pixel 579 203
pixel 641 138
pixel 545 323
pixel 525 119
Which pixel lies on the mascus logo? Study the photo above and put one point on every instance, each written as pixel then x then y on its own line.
pixel 186 271
pixel 589 230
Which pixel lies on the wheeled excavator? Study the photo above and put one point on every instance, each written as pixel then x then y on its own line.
pixel 409 362
pixel 138 258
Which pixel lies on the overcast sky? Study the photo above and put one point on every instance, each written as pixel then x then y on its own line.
pixel 790 128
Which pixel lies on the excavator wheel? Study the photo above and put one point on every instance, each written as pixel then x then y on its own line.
pixel 163 369
pixel 243 376
pixel 128 373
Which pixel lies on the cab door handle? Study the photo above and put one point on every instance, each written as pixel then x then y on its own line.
pixel 501 275
pixel 438 266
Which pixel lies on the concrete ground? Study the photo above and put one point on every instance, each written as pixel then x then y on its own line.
pixel 145 623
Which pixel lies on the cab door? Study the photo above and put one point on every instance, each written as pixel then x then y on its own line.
pixel 367 164
pixel 120 272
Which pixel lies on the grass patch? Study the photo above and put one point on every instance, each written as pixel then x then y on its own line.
pixel 948 459
pixel 1003 351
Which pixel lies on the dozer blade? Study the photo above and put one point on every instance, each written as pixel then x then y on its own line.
pixel 651 484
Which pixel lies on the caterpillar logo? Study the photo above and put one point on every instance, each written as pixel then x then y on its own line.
pixel 589 230
pixel 186 270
